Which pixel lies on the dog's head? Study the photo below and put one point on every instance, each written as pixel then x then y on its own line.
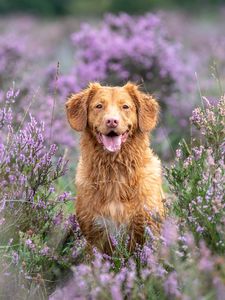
pixel 113 114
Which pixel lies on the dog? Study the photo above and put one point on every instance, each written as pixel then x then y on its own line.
pixel 118 179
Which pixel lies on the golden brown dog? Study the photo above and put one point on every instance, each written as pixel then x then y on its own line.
pixel 118 177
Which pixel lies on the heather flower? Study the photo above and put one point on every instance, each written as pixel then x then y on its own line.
pixel 169 232
pixel 28 173
pixel 115 52
pixel 220 288
pixel 116 293
pixel 64 196
pixel 197 152
pixel 116 62
pixel 178 153
pixel 57 220
pixel 171 286
pixel 199 229
pixel 30 244
pixel 15 257
pixel 45 250
pixel 197 178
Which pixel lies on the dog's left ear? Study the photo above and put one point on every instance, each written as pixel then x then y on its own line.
pixel 77 105
pixel 147 107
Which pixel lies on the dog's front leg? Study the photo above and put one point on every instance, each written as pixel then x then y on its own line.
pixel 96 236
pixel 136 231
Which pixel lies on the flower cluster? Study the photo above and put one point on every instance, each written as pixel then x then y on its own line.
pixel 25 61
pixel 11 59
pixel 36 233
pixel 164 269
pixel 151 48
pixel 116 52
pixel 198 176
pixel 119 53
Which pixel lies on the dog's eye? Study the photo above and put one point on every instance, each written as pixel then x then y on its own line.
pixel 98 106
pixel 125 106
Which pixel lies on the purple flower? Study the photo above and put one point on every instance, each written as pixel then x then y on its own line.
pixel 178 153
pixel 30 244
pixel 169 232
pixel 116 293
pixel 206 263
pixel 171 285
pixel 45 251
pixel 15 257
pixel 57 220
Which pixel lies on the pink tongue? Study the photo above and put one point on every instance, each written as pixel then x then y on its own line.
pixel 112 144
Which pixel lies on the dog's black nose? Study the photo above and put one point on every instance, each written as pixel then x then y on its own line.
pixel 112 122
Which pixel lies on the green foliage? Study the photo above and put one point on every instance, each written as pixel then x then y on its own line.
pixel 197 177
pixel 42 7
pixel 97 7
pixel 132 7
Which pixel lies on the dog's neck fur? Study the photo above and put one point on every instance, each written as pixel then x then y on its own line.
pixel 104 163
pixel 113 177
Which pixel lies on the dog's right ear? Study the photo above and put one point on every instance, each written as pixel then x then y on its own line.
pixel 77 105
pixel 147 107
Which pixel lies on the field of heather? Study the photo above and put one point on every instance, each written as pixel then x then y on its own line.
pixel 177 57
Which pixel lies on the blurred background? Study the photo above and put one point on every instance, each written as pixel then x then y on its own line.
pixel 49 49
pixel 97 8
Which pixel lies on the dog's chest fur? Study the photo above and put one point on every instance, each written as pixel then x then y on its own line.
pixel 113 218
pixel 109 191
pixel 113 189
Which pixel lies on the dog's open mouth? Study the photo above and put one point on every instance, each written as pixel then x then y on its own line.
pixel 112 141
